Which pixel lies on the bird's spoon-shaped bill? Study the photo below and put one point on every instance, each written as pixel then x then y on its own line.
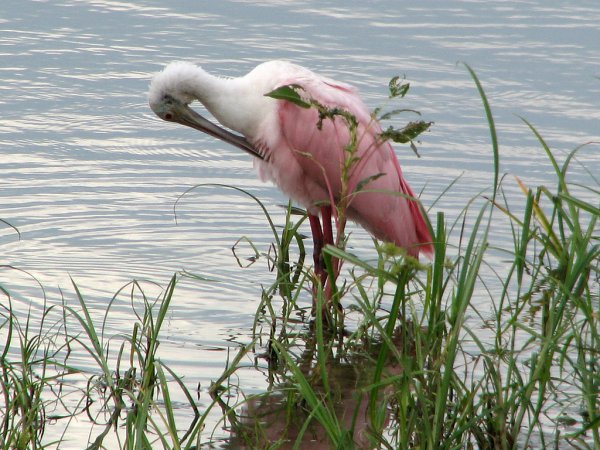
pixel 183 114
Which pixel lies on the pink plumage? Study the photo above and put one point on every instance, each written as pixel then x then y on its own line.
pixel 304 160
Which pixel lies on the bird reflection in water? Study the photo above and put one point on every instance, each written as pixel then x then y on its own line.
pixel 282 418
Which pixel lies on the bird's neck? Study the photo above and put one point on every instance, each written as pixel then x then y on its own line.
pixel 208 89
pixel 234 102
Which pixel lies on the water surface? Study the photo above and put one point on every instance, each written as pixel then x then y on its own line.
pixel 90 176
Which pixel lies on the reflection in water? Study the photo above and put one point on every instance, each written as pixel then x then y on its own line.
pixel 90 176
pixel 283 417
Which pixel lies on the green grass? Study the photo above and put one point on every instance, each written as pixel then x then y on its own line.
pixel 412 361
pixel 532 382
pixel 125 395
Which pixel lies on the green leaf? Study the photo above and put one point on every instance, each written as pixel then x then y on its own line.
pixel 398 87
pixel 406 134
pixel 394 112
pixel 362 183
pixel 290 94
pixel 581 204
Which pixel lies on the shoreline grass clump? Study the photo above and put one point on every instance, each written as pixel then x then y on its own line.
pixel 411 361
pixel 123 391
pixel 533 384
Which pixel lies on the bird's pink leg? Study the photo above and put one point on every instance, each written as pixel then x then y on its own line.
pixel 328 240
pixel 317 232
pixel 327 230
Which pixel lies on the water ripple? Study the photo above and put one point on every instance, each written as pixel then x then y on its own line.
pixel 90 176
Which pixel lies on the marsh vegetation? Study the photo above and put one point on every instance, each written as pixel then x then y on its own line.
pixel 396 355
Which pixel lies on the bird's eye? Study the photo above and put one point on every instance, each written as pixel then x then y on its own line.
pixel 168 116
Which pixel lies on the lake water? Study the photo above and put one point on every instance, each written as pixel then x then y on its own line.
pixel 89 176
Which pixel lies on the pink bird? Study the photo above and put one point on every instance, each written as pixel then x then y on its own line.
pixel 304 160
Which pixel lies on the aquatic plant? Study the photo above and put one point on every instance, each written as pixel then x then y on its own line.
pixel 404 359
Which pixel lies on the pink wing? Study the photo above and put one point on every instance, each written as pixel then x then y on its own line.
pixel 320 153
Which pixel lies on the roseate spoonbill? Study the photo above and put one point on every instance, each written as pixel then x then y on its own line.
pixel 304 160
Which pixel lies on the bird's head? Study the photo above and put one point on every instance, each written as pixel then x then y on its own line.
pixel 172 91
